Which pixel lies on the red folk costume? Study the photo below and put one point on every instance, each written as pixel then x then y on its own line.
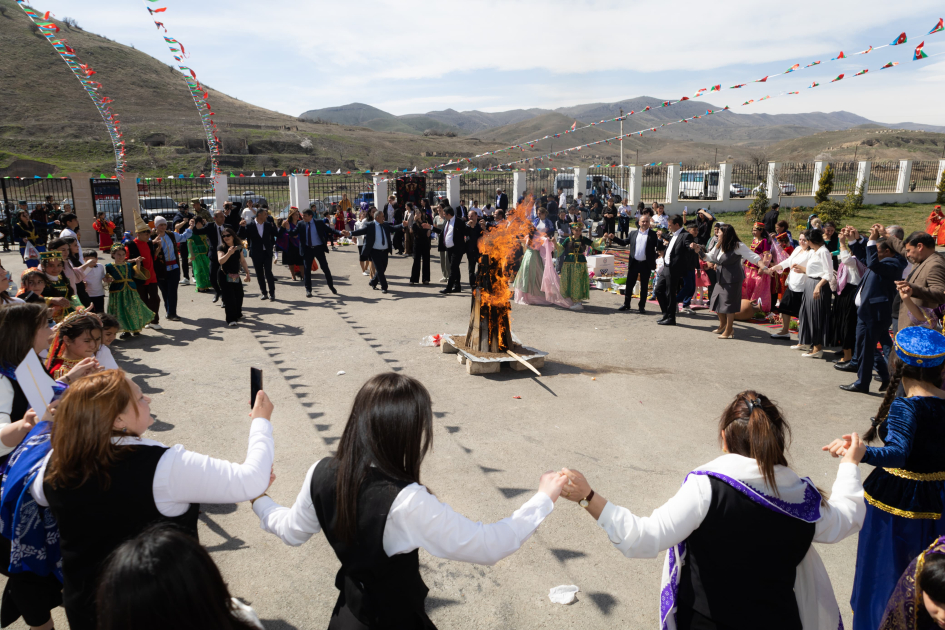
pixel 936 225
pixel 106 230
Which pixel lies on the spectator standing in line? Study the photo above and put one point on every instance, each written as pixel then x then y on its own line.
pixel 181 221
pixel 770 219
pixel 170 242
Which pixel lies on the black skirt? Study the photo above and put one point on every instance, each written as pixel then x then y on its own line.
pixel 292 255
pixel 844 318
pixel 790 303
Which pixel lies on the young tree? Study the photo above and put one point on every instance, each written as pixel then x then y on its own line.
pixel 758 207
pixel 940 197
pixel 825 185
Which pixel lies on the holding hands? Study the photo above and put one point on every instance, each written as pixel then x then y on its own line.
pixel 551 483
pixel 849 447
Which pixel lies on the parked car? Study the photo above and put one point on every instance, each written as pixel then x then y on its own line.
pixel 699 184
pixel 364 197
pixel 787 188
pixel 602 184
pixel 737 190
pixel 154 206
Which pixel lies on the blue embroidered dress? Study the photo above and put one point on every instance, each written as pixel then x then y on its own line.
pixel 905 496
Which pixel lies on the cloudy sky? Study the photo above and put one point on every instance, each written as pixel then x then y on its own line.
pixel 412 57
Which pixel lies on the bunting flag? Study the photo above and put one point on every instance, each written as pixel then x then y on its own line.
pixel 868 50
pixel 938 28
pixel 792 68
pixel 574 125
pixel 715 88
pixel 840 56
pixel 811 65
pixel 899 40
pixel 740 85
pixel 861 72
pixel 813 85
pixel 919 53
pixel 890 65
pixel 837 79
pixel 82 72
pixel 761 80
pixel 160 25
pixel 198 93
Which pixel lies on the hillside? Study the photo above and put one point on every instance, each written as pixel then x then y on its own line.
pixel 351 114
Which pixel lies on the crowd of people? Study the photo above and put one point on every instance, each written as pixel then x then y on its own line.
pixel 90 507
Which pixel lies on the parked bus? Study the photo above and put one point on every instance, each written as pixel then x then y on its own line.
pixel 699 185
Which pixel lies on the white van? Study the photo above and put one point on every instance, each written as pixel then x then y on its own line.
pixel 601 184
pixel 699 185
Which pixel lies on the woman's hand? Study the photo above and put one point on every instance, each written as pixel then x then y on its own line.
pixel 30 418
pixel 246 278
pixel 83 368
pixel 263 406
pixel 838 448
pixel 232 249
pixel 817 293
pixel 551 484
pixel 60 301
pixel 855 450
pixel 578 487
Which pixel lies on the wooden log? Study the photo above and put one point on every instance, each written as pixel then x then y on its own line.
pixel 521 362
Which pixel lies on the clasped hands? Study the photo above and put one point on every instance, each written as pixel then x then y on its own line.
pixel 570 484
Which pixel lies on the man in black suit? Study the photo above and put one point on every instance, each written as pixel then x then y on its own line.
pixel 261 235
pixel 677 261
pixel 313 241
pixel 214 233
pixel 231 215
pixel 377 242
pixel 642 261
pixel 453 237
pixel 474 230
pixel 874 300
pixel 501 200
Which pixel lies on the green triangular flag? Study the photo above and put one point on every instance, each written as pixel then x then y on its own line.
pixel 102 176
pixel 231 175
pixel 191 174
pixel 49 176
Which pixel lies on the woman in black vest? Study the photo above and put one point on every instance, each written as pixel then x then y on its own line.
pixel 739 531
pixel 106 484
pixel 375 514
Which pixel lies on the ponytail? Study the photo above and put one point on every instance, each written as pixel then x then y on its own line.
pixel 754 427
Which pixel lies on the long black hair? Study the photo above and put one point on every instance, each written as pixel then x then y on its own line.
pixel 932 375
pixel 932 577
pixel 19 323
pixel 390 428
pixel 163 578
pixel 729 240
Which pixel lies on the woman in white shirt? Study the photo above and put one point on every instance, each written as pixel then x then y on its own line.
pixel 375 514
pixel 727 256
pixel 790 304
pixel 360 223
pixel 849 273
pixel 813 322
pixel 105 483
pixel 660 219
pixel 738 532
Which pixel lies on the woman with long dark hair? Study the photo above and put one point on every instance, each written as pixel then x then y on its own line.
pixel 105 483
pixel 906 490
pixel 739 531
pixel 420 247
pixel 374 512
pixel 726 299
pixel 162 579
pixel 790 304
pixel 230 255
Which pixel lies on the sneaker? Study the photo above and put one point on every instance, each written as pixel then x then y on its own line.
pixel 264 297
pixel 174 318
pixel 364 273
pixel 155 327
pixel 184 281
pixel 800 347
pixel 688 311
pixel 232 324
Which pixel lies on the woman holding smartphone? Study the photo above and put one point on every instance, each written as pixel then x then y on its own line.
pixel 230 255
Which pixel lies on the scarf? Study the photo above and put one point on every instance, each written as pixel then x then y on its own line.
pixel 798 498
pixel 31 528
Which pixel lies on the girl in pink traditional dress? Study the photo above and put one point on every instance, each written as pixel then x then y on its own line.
pixel 537 281
pixel 757 286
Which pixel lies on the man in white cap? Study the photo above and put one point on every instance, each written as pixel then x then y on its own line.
pixel 169 242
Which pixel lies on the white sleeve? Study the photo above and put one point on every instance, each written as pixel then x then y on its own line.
pixel 293 525
pixel 183 477
pixel 6 408
pixel 846 509
pixel 418 519
pixel 746 253
pixel 36 488
pixel 668 525
pixel 105 358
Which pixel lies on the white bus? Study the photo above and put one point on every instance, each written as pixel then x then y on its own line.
pixel 601 184
pixel 699 185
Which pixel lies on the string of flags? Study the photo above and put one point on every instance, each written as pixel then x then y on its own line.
pixel 199 93
pixel 83 72
pixel 530 144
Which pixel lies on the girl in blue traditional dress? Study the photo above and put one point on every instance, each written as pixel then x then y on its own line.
pixel 905 493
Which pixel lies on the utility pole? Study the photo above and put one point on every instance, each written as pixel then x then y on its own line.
pixel 621 136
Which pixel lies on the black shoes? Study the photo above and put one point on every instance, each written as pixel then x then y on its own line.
pixel 333 290
pixel 666 322
pixel 849 366
pixel 852 387
pixel 272 298
pixel 884 386
pixel 216 298
pixel 308 294
pixel 264 297
pixel 445 291
pixel 383 290
pixel 624 308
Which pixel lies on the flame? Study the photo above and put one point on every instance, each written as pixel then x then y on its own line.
pixel 500 244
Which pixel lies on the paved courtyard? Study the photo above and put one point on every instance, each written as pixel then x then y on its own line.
pixel 632 405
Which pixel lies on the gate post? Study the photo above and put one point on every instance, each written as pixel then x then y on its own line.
pixel 380 191
pixel 452 190
pixel 221 190
pixel 904 178
pixel 83 204
pixel 128 188
pixel 725 182
pixel 635 193
pixel 519 187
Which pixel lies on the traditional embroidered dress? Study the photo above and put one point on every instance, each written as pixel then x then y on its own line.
pixel 198 246
pixel 575 284
pixel 124 302
pixel 757 286
pixel 106 231
pixel 527 283
pixel 548 289
pixel 906 610
pixel 935 225
pixel 60 287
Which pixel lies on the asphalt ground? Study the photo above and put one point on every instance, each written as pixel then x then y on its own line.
pixel 632 405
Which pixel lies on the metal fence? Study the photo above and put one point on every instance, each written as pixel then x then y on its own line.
pixel 272 191
pixel 541 179
pixel 796 178
pixel 480 187
pixel 614 180
pixel 654 184
pixel 698 181
pixel 883 177
pixel 106 194
pixel 160 196
pixel 327 192
pixel 746 178
pixel 57 192
pixel 844 177
pixel 924 176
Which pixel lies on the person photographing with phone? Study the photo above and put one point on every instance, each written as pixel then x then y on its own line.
pixel 231 261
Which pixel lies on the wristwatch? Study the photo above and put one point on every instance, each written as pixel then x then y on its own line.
pixel 586 500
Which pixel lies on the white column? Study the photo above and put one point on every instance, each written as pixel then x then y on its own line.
pixel 380 191
pixel 298 191
pixel 725 181
pixel 518 187
pixel 83 205
pixel 672 183
pixel 635 191
pixel 130 206
pixel 773 188
pixel 293 197
pixel 819 167
pixel 863 177
pixel 221 190
pixel 580 181
pixel 452 189
pixel 904 177
pixel 941 169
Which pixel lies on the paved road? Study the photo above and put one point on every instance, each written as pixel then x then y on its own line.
pixel 632 405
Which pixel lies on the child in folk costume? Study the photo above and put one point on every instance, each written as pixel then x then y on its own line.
pixel 32 284
pixel 198 245
pixel 572 263
pixel 76 338
pixel 935 225
pixel 61 299
pixel 757 286
pixel 124 303
pixel 918 601
pixel 106 232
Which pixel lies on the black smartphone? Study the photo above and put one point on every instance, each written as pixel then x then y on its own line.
pixel 255 384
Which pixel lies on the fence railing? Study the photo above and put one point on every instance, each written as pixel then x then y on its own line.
pixel 537 181
pixel 844 177
pixel 327 192
pixel 55 192
pixel 481 187
pixel 884 176
pixel 653 187
pixel 160 196
pixel 272 191
pixel 746 177
pixel 610 179
pixel 924 176
pixel 106 194
pixel 796 178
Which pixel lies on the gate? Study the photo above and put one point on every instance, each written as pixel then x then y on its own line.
pixel 106 195
pixel 35 191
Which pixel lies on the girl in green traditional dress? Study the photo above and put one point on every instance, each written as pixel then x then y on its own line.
pixel 198 245
pixel 573 265
pixel 124 303
pixel 58 292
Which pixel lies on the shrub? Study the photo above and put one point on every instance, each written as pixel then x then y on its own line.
pixel 830 211
pixel 758 208
pixel 825 185
pixel 853 202
pixel 940 197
